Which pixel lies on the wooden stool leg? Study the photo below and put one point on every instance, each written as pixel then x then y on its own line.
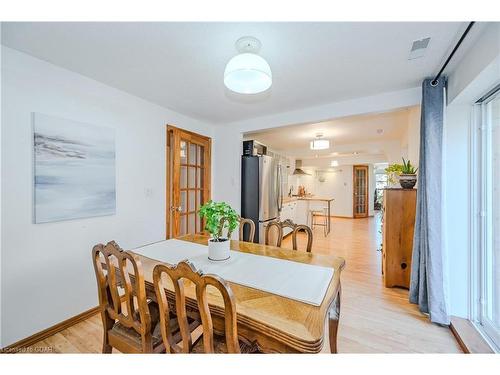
pixel 325 222
pixel 333 322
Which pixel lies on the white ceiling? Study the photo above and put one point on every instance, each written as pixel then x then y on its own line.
pixel 347 135
pixel 180 65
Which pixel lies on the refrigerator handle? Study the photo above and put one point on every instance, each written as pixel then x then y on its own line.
pixel 280 188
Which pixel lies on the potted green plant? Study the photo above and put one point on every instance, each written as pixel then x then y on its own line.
pixel 393 171
pixel 408 175
pixel 219 216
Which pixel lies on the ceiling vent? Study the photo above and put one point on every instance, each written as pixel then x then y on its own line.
pixel 418 48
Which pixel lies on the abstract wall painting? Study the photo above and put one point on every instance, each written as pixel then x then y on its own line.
pixel 74 169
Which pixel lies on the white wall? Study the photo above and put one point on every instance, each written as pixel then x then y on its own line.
pixel 413 135
pixel 474 75
pixel 47 274
pixel 371 190
pixel 338 184
pixel 227 150
pixel 386 101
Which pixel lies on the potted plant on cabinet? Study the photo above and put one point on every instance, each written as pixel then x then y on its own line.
pixel 219 216
pixel 393 171
pixel 408 175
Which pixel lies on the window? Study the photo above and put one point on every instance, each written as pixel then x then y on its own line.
pixel 488 259
pixel 380 184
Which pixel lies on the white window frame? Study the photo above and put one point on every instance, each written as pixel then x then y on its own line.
pixel 481 155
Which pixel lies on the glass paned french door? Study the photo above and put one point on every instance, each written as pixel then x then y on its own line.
pixel 188 181
pixel 360 191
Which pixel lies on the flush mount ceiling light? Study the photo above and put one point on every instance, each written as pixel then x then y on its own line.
pixel 247 72
pixel 319 143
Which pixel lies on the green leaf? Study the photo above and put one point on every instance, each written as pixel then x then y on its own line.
pixel 219 216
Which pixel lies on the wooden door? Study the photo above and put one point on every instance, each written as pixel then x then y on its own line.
pixel 188 180
pixel 360 191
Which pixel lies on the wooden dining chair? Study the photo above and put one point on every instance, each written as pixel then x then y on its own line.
pixel 274 234
pixel 251 233
pixel 296 228
pixel 130 321
pixel 203 341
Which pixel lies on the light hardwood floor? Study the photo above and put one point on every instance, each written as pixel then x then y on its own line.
pixel 373 319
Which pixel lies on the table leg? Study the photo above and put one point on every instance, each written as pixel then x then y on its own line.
pixel 329 215
pixel 333 322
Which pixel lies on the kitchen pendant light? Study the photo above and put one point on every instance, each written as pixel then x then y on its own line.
pixel 247 72
pixel 319 143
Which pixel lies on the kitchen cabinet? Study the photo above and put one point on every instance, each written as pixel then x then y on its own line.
pixel 397 233
pixel 288 213
pixel 301 212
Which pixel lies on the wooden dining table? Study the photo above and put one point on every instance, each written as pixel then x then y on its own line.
pixel 270 322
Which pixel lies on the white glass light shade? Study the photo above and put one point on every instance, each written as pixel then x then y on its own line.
pixel 248 73
pixel 334 163
pixel 320 144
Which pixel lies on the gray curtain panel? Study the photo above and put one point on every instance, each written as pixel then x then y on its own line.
pixel 427 273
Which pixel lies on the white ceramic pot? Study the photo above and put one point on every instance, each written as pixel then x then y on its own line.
pixel 219 250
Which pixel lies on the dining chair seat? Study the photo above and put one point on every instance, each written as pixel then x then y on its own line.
pixel 220 346
pixel 129 335
pixel 132 338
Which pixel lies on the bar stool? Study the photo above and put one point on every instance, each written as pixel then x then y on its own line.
pixel 324 214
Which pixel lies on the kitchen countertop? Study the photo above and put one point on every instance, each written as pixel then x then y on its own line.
pixel 307 198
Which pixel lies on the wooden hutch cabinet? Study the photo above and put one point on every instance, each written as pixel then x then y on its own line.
pixel 397 234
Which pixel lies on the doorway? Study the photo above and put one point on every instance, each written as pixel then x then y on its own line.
pixel 360 190
pixel 188 180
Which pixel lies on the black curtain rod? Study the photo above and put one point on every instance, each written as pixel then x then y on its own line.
pixel 435 80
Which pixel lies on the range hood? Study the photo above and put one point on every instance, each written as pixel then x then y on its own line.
pixel 298 169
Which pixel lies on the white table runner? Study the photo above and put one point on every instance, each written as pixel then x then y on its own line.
pixel 298 281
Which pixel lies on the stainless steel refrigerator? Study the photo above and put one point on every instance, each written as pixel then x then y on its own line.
pixel 261 191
